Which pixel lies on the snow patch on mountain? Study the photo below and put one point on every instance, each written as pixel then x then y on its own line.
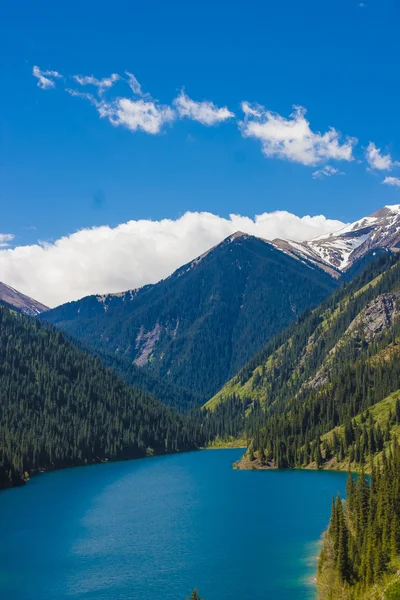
pixel 340 250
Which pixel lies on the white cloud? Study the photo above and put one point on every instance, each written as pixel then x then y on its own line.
pixel 148 116
pixel 43 78
pixel 326 171
pixel 106 259
pixel 145 115
pixel 292 139
pixel 377 160
pixel 102 84
pixel 205 112
pixel 5 239
pixel 395 181
pixel 134 84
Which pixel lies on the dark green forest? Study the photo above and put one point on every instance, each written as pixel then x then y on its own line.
pixel 61 407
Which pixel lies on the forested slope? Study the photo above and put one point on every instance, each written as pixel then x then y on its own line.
pixel 61 407
pixel 331 365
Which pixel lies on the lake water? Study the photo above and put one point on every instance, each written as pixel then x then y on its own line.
pixel 154 529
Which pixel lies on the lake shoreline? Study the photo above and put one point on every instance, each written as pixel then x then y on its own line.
pixel 93 463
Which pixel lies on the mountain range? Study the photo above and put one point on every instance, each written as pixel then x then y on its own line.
pixel 197 328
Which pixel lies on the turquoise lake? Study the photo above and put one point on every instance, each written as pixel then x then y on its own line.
pixel 154 529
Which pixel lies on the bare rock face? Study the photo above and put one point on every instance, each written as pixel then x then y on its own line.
pixel 145 342
pixel 20 302
pixel 378 315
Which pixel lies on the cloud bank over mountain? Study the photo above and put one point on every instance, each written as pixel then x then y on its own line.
pixel 112 259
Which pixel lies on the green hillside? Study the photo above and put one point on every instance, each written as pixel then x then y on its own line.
pixel 334 362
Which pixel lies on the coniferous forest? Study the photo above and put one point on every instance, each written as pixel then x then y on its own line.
pixel 61 407
pixel 360 553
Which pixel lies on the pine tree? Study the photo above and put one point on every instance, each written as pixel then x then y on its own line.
pixel 194 596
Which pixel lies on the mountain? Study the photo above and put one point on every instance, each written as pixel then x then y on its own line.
pixel 196 328
pixel 11 297
pixel 62 407
pixel 331 365
pixel 338 252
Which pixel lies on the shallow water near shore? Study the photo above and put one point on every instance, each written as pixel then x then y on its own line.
pixel 157 528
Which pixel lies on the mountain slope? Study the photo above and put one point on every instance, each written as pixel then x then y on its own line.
pixel 339 251
pixel 61 407
pixel 11 297
pixel 176 397
pixel 331 365
pixel 199 326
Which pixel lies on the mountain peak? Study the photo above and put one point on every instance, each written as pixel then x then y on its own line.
pixel 389 209
pixel 237 234
pixel 340 250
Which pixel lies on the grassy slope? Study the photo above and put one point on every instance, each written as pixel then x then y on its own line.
pixel 328 319
pixel 380 413
pixel 329 588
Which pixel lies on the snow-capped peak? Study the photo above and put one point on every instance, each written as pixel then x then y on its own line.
pixel 338 251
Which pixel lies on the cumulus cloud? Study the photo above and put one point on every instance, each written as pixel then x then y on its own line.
pixel 377 160
pixel 326 171
pixel 145 115
pixel 395 181
pixel 205 112
pixel 106 259
pixel 293 139
pixel 5 239
pixel 43 77
pixel 102 84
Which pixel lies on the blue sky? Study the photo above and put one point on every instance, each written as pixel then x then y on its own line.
pixel 64 168
pixel 338 60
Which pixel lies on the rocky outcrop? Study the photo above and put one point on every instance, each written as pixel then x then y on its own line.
pixel 375 318
pixel 146 341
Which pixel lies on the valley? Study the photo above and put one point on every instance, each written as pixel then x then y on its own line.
pixel 289 351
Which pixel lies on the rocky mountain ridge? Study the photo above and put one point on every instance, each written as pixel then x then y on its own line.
pixel 337 252
pixel 15 299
